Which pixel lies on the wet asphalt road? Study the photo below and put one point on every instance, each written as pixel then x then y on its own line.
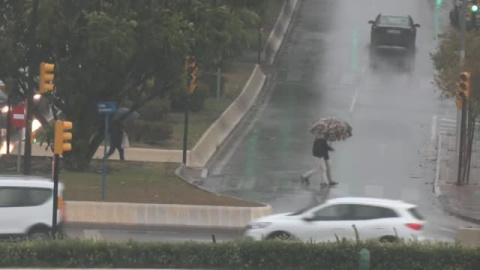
pixel 324 70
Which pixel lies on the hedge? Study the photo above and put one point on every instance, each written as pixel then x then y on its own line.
pixel 236 255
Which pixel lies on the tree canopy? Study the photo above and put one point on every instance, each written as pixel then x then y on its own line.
pixel 446 60
pixel 113 50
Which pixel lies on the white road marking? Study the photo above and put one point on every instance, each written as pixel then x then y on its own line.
pixel 434 128
pixel 354 100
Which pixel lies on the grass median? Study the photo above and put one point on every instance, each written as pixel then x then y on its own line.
pixel 132 182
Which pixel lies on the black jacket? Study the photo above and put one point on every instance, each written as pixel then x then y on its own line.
pixel 321 149
pixel 116 134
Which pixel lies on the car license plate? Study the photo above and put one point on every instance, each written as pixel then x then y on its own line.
pixel 395 32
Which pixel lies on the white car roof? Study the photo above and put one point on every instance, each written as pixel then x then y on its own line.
pixel 26 181
pixel 372 201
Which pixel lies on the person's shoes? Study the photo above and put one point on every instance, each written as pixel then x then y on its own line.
pixel 323 184
pixel 305 180
pixel 333 183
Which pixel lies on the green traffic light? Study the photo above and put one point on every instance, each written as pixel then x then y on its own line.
pixel 474 8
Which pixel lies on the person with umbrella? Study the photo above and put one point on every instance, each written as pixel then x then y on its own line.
pixel 116 138
pixel 320 152
pixel 327 129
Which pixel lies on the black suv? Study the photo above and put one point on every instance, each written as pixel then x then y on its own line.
pixel 399 31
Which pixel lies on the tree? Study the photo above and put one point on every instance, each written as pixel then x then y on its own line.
pixel 115 50
pixel 447 63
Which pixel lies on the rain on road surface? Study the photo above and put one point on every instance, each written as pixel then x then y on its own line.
pixel 324 70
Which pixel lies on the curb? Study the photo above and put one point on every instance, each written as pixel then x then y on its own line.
pixel 180 172
pixel 438 192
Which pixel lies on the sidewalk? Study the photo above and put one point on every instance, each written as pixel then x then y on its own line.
pixel 461 201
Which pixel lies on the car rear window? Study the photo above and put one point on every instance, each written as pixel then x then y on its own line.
pixel 415 213
pixel 394 21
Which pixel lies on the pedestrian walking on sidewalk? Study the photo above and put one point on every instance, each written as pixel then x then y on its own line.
pixel 118 140
pixel 320 152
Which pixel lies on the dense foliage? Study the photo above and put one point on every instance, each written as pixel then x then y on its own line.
pixel 237 255
pixel 117 50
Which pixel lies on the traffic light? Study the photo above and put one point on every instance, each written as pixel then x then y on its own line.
pixel 193 82
pixel 33 137
pixel 474 6
pixel 465 84
pixel 46 77
pixel 463 88
pixel 62 136
pixel 192 70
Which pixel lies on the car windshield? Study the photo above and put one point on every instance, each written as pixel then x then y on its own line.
pixel 394 21
pixel 303 210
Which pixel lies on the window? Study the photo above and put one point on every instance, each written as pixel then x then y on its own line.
pixel 39 196
pixel 414 212
pixel 23 196
pixel 364 212
pixel 395 21
pixel 334 212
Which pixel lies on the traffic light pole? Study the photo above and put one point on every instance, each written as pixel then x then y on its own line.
pixel 463 29
pixel 185 129
pixel 55 162
pixel 9 121
pixel 462 141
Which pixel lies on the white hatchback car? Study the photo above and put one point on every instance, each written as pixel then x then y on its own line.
pixel 386 220
pixel 26 207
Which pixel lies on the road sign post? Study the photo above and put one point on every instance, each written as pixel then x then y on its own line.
pixel 18 120
pixel 106 108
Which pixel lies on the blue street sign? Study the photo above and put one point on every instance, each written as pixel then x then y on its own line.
pixel 109 107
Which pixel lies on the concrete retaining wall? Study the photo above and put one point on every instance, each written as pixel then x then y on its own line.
pixel 220 129
pixel 277 36
pixel 468 237
pixel 163 214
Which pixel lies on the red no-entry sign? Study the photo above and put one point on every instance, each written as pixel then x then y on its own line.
pixel 18 116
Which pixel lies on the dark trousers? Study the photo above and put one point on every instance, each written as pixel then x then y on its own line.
pixel 112 150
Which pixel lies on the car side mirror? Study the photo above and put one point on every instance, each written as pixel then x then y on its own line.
pixel 308 217
pixel 417 25
pixel 371 22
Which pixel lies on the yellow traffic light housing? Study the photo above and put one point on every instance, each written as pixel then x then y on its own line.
pixel 33 137
pixel 62 137
pixel 193 81
pixel 464 85
pixel 192 70
pixel 46 77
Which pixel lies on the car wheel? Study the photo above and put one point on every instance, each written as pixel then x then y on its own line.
pixel 284 236
pixel 388 239
pixel 39 236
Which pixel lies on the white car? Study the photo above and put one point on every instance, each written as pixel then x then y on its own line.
pixel 26 207
pixel 386 220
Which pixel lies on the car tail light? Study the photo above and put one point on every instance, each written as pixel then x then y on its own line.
pixel 414 226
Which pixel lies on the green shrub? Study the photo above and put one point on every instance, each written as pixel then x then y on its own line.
pixel 149 132
pixel 236 255
pixel 155 110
